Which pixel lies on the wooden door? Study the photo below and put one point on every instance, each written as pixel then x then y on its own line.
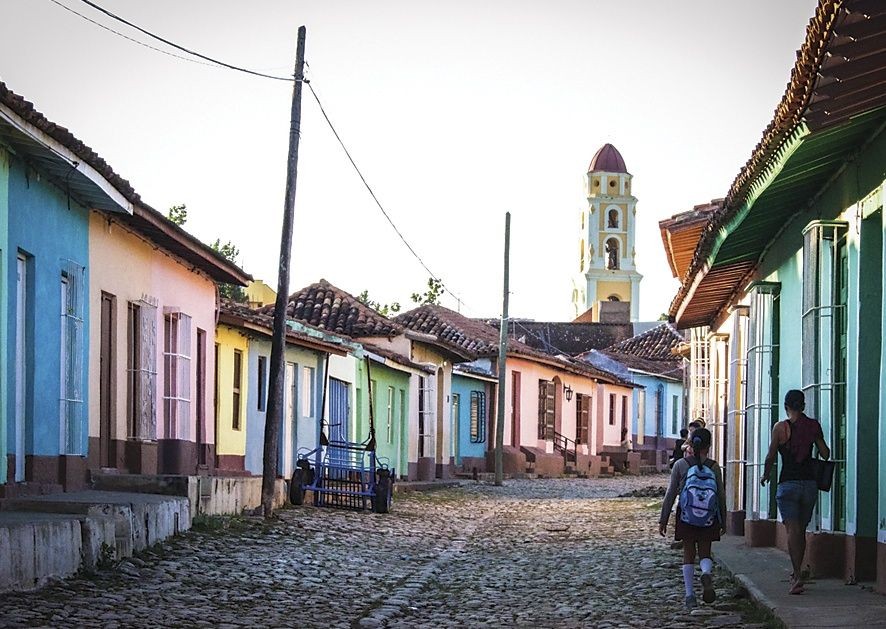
pixel 107 372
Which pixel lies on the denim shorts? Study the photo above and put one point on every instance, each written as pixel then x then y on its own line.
pixel 796 500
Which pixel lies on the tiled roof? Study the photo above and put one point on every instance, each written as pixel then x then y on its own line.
pixel 233 313
pixel 397 358
pixel 144 219
pixel 670 369
pixel 469 336
pixel 654 344
pixel 329 308
pixel 680 234
pixel 477 339
pixel 568 338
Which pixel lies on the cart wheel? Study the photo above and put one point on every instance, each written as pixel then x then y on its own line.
pixel 382 499
pixel 297 487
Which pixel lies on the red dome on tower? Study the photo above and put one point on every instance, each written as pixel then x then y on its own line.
pixel 609 160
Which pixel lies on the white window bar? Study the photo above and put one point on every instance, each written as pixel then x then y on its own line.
pixel 821 305
pixel 142 369
pixel 177 375
pixel 427 416
pixel 762 377
pixel 735 414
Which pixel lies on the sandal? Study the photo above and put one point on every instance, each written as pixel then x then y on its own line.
pixel 796 586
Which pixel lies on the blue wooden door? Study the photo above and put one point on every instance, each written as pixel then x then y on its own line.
pixel 339 409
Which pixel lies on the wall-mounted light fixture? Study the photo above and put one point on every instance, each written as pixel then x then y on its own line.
pixel 568 391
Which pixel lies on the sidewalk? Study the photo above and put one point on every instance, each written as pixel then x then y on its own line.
pixel 764 573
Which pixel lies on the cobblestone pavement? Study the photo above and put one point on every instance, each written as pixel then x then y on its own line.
pixel 535 553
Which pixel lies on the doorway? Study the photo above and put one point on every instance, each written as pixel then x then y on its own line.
pixel 107 380
pixel 22 310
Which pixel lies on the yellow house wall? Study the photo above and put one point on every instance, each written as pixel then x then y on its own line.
pixel 124 265
pixel 229 440
pixel 622 289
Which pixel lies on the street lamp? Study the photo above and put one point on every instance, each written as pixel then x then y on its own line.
pixel 568 391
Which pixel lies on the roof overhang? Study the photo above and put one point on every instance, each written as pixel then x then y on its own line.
pixel 60 165
pixel 292 337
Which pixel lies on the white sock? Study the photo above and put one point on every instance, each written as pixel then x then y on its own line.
pixel 688 571
pixel 706 565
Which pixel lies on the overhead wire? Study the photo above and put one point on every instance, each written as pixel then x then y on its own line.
pixel 182 48
pixel 210 61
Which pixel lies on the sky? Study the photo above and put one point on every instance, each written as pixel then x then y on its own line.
pixel 456 112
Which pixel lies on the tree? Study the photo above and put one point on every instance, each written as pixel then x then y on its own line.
pixel 230 252
pixel 383 309
pixel 178 214
pixel 430 296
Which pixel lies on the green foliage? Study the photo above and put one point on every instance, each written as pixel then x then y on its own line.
pixel 385 310
pixel 430 296
pixel 663 317
pixel 230 252
pixel 178 214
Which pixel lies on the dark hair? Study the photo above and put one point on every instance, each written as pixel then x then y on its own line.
pixel 701 440
pixel 795 400
pixel 695 424
pixel 684 433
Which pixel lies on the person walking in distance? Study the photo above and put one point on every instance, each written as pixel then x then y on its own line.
pixel 701 513
pixel 797 490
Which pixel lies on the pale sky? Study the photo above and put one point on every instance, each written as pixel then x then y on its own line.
pixel 456 111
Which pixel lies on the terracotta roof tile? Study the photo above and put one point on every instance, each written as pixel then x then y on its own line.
pixel 654 344
pixel 233 313
pixel 329 308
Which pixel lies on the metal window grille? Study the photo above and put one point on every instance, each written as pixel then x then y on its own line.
pixel 71 407
pixel 735 414
pixel 546 409
pixel 426 416
pixel 699 373
pixel 718 362
pixel 659 408
pixel 177 375
pixel 761 407
pixel 478 416
pixel 675 420
pixel 142 369
pixel 823 311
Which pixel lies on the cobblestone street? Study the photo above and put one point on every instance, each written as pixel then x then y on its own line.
pixel 536 553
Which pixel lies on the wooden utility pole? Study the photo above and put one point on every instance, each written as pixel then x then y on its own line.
pixel 278 343
pixel 502 355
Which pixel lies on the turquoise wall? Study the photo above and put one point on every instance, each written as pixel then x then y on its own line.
pixel 4 307
pixel 463 386
pixel 783 263
pixel 391 450
pixel 49 228
pixel 670 389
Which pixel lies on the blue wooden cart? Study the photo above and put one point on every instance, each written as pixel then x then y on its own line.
pixel 341 473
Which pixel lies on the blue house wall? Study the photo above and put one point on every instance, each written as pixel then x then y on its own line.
pixel 671 420
pixel 464 386
pixel 4 308
pixel 51 231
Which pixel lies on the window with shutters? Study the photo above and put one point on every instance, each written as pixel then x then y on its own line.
pixel 582 417
pixel 235 389
pixel 545 409
pixel 177 375
pixel 71 410
pixel 478 416
pixel 612 409
pixel 307 391
pixel 262 401
pixel 141 369
pixel 389 416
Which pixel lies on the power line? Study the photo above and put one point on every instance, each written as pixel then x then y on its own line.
pixel 182 48
pixel 211 61
pixel 375 198
pixel 135 41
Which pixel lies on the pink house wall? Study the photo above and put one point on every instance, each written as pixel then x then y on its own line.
pixel 130 268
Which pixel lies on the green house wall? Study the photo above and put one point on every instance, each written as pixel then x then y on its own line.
pixel 393 451
pixel 865 511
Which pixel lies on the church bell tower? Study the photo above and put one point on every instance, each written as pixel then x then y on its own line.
pixel 607 286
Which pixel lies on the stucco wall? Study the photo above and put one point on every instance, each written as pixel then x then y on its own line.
pixel 130 268
pixel 44 226
pixel 383 378
pixel 4 306
pixel 228 439
pixel 464 386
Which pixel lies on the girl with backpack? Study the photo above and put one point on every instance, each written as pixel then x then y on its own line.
pixel 701 513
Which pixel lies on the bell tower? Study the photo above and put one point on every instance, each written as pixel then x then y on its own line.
pixel 607 286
